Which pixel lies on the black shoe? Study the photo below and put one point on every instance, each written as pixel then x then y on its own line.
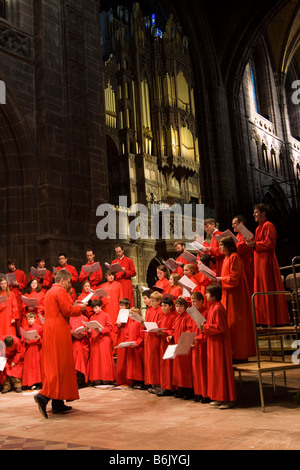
pixel 205 400
pixel 41 404
pixel 61 409
pixel 164 393
pixel 197 398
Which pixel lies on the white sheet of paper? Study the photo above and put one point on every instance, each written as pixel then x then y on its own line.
pixel 38 272
pixel 42 319
pixel 32 334
pixel 10 277
pixel 185 342
pixel 91 268
pixel 98 292
pixel 189 257
pixel 227 233
pixel 170 352
pixel 93 325
pixel 123 315
pixel 115 267
pixel 195 314
pixel 29 301
pixel 87 298
pixel 187 284
pixel 199 247
pixel 135 316
pixel 171 264
pixel 152 327
pixel 244 231
pixel 80 329
pixel 2 363
pixel 125 344
pixel 207 272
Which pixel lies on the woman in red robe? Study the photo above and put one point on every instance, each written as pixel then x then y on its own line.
pixel 9 312
pixel 135 354
pixel 112 301
pixel 182 365
pixel 176 288
pixel 220 377
pixel 58 370
pixel 102 366
pixel 245 252
pixel 163 282
pixel 236 302
pixel 270 310
pixel 34 292
pixel 32 369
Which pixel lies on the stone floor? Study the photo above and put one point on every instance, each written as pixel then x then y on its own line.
pixel 124 419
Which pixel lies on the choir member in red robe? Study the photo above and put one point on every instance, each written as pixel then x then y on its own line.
pixel 220 377
pixel 81 349
pixel 32 369
pixel 236 302
pixel 182 365
pixel 163 281
pixel 17 285
pixel 58 369
pixel 270 310
pixel 102 366
pixel 176 288
pixel 199 353
pixel 112 301
pixel 135 353
pixel 9 312
pixel 245 252
pixel 34 291
pixel 152 345
pixel 179 246
pixel 203 280
pixel 95 277
pixel 63 264
pixel 124 276
pixel 214 250
pixel 46 280
pixel 166 366
pixel 189 270
pixel 13 369
pixel 120 330
pixel 86 287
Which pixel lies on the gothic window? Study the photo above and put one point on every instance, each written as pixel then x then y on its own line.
pixel 282 165
pixel 265 157
pixel 254 86
pixel 274 161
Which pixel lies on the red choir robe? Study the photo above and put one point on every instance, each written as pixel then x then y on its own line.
pixel 58 369
pixel 166 365
pixel 176 291
pixel 246 254
pixel 199 359
pixel 81 347
pixel 135 356
pixel 121 336
pixel 220 376
pixel 112 304
pixel 8 311
pixel 88 311
pixel 152 348
pixel 17 290
pixel 236 302
pixel 182 365
pixel 203 282
pixel 72 270
pixel 14 354
pixel 125 277
pixel 39 310
pixel 46 281
pixel 179 270
pixel 94 278
pixel 101 366
pixel 32 369
pixel 164 284
pixel 270 310
pixel 216 253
